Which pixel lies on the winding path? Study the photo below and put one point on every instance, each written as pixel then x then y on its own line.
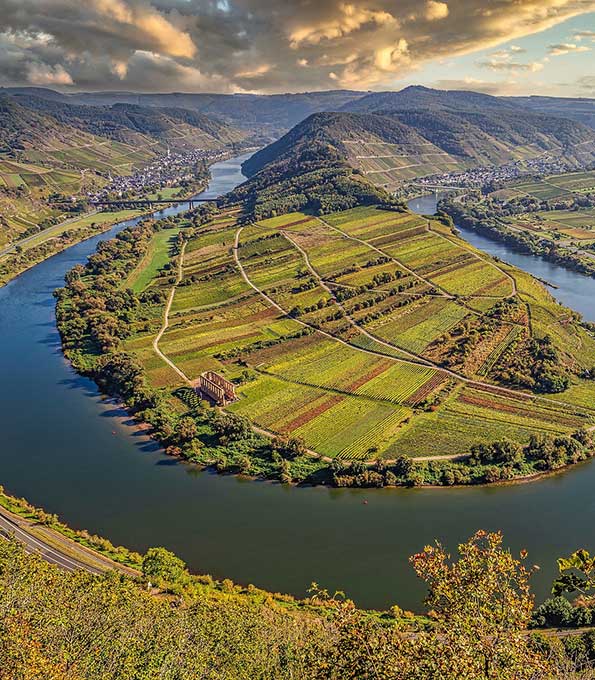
pixel 449 372
pixel 165 324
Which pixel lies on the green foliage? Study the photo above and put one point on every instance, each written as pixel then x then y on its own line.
pixel 59 625
pixel 577 573
pixel 161 565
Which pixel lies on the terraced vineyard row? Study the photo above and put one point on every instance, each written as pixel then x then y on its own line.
pixel 349 364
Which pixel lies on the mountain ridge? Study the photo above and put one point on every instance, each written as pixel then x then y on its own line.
pixel 391 137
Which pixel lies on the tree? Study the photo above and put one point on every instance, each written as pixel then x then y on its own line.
pixel 577 574
pixel 162 565
pixel 187 429
pixel 481 604
pixel 231 427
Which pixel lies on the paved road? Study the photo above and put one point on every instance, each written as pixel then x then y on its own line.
pixel 13 526
pixel 10 527
pixel 50 230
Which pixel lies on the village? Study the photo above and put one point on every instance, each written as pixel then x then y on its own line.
pixel 482 176
pixel 167 170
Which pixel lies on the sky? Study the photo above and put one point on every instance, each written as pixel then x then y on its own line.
pixel 511 47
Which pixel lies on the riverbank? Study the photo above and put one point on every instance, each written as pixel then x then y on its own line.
pixel 58 543
pixel 13 265
pixel 104 485
pixel 14 260
pixel 524 241
pixel 225 441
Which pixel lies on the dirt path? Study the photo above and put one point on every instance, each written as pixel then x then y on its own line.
pixel 165 324
pixel 353 323
pixel 445 293
pixel 446 371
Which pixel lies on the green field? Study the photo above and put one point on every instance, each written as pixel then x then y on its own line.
pixel 157 257
pixel 343 340
pixel 572 225
pixel 555 186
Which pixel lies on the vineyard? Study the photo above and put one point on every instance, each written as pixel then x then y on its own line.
pixel 578 224
pixel 338 331
pixel 556 186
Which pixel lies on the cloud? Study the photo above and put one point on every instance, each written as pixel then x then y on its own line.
pixel 565 48
pixel 257 72
pixel 436 10
pixel 42 74
pixel 586 83
pixel 348 18
pixel 222 45
pixel 496 64
pixel 579 35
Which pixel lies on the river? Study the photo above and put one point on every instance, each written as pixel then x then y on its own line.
pixel 68 450
pixel 570 288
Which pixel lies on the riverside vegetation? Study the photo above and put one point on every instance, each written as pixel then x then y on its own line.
pixel 54 155
pixel 552 217
pixel 358 343
pixel 169 624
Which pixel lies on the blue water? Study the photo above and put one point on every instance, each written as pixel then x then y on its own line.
pixel 66 449
pixel 571 288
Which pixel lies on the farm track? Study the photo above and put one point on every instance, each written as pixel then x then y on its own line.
pixel 453 374
pixel 443 292
pixel 165 324
pixel 393 259
pixel 317 276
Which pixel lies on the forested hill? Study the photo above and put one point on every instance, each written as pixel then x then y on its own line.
pixel 307 169
pixel 22 128
pixel 333 130
pixel 580 109
pixel 132 124
pixel 268 114
pixel 419 97
pixel 417 132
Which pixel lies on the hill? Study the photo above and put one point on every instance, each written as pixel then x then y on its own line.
pixel 308 169
pixel 419 97
pixel 177 128
pixel 580 109
pixel 270 114
pixel 41 156
pixel 396 136
pixel 22 129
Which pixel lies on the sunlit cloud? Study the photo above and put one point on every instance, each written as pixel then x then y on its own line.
pixel 566 48
pixel 436 10
pixel 42 74
pixel 268 46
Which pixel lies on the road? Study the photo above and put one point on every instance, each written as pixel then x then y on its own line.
pixel 50 230
pixel 57 549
